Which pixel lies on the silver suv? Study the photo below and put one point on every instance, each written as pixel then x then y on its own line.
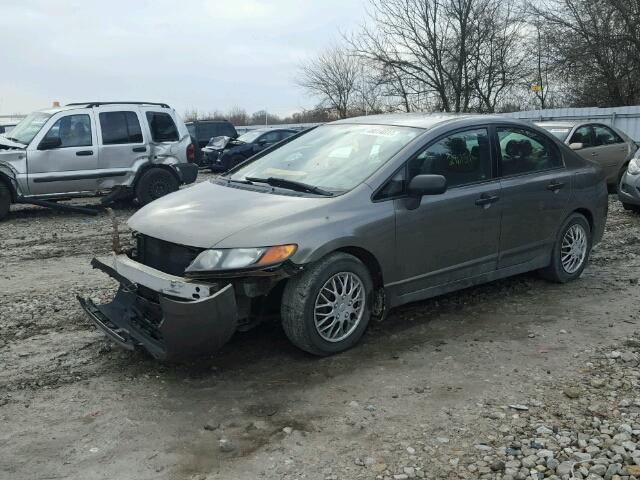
pixel 124 149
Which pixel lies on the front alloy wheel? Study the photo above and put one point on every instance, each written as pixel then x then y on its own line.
pixel 327 307
pixel 339 306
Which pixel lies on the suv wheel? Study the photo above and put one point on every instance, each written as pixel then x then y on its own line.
pixel 5 200
pixel 327 308
pixel 155 183
pixel 571 250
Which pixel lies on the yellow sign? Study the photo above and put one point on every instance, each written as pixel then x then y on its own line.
pixel 535 87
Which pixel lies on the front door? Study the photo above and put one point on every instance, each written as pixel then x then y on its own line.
pixel 66 158
pixel 535 188
pixel 454 235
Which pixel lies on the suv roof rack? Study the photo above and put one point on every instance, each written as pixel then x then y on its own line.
pixel 97 104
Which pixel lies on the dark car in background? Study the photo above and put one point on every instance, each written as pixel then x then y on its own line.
pixel 225 153
pixel 202 131
pixel 6 127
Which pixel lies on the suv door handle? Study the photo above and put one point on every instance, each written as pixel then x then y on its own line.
pixel 486 200
pixel 139 149
pixel 555 186
pixel 84 153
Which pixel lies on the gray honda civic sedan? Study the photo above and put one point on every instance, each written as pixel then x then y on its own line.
pixel 342 223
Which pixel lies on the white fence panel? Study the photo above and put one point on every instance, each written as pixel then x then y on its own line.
pixel 626 119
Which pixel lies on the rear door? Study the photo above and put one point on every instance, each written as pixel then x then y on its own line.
pixel 536 188
pixel 612 150
pixel 63 158
pixel 123 143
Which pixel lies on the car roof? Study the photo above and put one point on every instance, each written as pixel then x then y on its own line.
pixel 565 124
pixel 423 120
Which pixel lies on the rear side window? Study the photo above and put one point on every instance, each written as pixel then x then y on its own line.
pixel 523 151
pixel 120 128
pixel 605 136
pixel 462 158
pixel 162 127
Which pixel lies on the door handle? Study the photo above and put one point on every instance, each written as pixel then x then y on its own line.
pixel 84 153
pixel 485 200
pixel 139 149
pixel 555 186
pixel 594 154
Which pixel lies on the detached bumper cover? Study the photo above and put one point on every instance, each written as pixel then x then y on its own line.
pixel 169 328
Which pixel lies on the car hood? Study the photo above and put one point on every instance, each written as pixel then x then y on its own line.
pixel 6 144
pixel 204 215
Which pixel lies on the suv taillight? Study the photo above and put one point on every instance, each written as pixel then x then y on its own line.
pixel 191 153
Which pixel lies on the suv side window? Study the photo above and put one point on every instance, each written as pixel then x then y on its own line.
pixel 605 136
pixel 524 151
pixel 583 135
pixel 72 130
pixel 120 128
pixel 286 134
pixel 162 127
pixel 462 158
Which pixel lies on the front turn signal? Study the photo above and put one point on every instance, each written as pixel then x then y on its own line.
pixel 277 254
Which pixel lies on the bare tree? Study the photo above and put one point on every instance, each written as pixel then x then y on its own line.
pixel 595 47
pixel 332 76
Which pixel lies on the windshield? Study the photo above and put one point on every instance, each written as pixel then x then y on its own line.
pixel 249 136
pixel 28 127
pixel 560 133
pixel 333 157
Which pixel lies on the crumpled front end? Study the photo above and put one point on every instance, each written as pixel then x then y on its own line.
pixel 169 316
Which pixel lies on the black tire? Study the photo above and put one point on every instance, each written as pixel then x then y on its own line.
pixel 5 200
pixel 631 207
pixel 556 272
pixel 155 183
pixel 299 298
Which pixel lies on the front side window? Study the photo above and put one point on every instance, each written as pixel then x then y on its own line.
pixel 120 128
pixel 605 136
pixel 462 158
pixel 71 131
pixel 162 126
pixel 333 157
pixel 583 135
pixel 524 151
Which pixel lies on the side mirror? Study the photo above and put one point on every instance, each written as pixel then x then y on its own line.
pixel 576 146
pixel 424 185
pixel 50 143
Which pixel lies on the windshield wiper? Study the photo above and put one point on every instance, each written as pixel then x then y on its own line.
pixel 15 140
pixel 291 185
pixel 235 180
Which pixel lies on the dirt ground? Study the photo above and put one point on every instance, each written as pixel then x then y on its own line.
pixel 410 401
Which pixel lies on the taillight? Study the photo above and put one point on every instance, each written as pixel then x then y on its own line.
pixel 191 153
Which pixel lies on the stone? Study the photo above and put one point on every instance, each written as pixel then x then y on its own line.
pixel 572 392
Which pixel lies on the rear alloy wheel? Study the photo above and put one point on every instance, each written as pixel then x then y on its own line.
pixel 327 308
pixel 155 183
pixel 5 200
pixel 571 250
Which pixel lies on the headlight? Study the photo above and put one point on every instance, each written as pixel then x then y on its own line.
pixel 235 258
pixel 634 166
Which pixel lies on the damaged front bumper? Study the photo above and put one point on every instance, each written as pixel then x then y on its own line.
pixel 170 317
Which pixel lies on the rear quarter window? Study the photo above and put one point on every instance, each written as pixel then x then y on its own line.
pixel 162 127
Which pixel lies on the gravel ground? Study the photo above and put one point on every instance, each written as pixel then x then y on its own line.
pixel 518 379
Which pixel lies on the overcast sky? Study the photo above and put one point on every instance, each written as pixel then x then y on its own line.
pixel 204 54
